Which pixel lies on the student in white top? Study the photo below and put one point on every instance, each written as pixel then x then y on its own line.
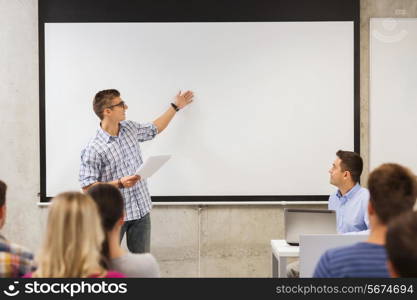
pixel 110 203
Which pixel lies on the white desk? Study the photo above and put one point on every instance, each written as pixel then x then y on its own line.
pixel 280 252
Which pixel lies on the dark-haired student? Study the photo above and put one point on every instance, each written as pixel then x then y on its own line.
pixel 393 191
pixel 110 204
pixel 401 245
pixel 350 201
pixel 15 261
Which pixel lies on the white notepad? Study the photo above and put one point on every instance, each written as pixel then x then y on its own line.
pixel 151 165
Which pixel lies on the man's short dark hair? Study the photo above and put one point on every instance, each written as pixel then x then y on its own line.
pixel 401 244
pixel 351 162
pixel 393 191
pixel 103 100
pixel 3 188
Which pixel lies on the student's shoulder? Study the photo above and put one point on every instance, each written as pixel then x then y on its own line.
pixel 137 265
pixel 131 127
pixel 136 126
pixel 325 265
pixel 363 192
pixel 15 250
pixel 142 258
pixel 332 262
pixel 129 124
pixel 342 253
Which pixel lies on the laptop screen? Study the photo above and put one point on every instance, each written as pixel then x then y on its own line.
pixel 308 221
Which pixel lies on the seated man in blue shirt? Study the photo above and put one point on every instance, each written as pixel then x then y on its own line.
pixel 350 201
pixel 401 245
pixel 393 191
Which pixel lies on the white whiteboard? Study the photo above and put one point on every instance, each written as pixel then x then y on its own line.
pixel 273 102
pixel 393 92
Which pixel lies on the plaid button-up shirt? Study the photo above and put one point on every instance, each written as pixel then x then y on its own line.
pixel 15 261
pixel 107 158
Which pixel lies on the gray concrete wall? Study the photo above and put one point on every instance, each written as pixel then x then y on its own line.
pixel 188 241
pixel 375 9
pixel 19 115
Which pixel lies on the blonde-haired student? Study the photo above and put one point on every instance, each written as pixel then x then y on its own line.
pixel 73 240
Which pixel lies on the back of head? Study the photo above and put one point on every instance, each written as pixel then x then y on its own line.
pixel 401 244
pixel 109 201
pixel 352 162
pixel 73 238
pixel 3 188
pixel 393 190
pixel 110 205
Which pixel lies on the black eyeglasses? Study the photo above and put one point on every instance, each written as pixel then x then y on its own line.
pixel 121 104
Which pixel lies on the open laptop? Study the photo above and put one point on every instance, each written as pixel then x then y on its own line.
pixel 308 221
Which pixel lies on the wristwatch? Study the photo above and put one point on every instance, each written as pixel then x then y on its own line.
pixel 120 184
pixel 175 106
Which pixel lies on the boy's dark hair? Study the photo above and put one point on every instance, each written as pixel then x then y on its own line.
pixel 393 191
pixel 102 100
pixel 351 162
pixel 401 244
pixel 110 205
pixel 3 188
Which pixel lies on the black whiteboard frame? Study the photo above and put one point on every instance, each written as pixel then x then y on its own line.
pixel 67 11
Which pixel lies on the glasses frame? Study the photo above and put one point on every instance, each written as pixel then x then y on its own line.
pixel 121 104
